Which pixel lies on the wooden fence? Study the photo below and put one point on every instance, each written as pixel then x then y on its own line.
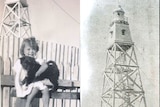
pixel 66 57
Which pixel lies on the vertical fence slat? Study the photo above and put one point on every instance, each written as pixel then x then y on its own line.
pixel 10 40
pixel 1 69
pixel 19 44
pixel 2 46
pixel 76 65
pixel 68 66
pixel 54 49
pixel 16 49
pixel 44 51
pixel 1 43
pixel 58 57
pixel 7 69
pixel 66 61
pixel 62 60
pixel 10 54
pixel 1 65
pixel 39 54
pixel 49 52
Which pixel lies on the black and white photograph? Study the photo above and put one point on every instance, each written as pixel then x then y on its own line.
pixel 79 53
pixel 119 53
pixel 39 53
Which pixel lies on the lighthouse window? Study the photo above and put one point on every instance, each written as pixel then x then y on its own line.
pixel 123 32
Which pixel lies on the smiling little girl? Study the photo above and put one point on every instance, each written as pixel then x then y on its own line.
pixel 29 48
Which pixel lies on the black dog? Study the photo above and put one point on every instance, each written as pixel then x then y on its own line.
pixel 31 66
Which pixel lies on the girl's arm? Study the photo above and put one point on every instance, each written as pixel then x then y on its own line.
pixel 43 67
pixel 17 72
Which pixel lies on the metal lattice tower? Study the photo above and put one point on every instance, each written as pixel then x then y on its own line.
pixel 122 85
pixel 15 20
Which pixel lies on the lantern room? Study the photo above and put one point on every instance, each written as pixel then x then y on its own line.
pixel 119 29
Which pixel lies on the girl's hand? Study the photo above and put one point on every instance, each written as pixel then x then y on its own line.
pixel 37 74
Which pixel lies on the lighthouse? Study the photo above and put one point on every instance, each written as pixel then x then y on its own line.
pixel 119 29
pixel 122 84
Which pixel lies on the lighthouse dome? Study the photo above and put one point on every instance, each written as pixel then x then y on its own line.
pixel 119 9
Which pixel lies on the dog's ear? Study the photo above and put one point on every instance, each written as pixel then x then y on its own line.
pixel 24 63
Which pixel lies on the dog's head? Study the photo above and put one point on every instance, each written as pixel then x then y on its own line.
pixel 27 62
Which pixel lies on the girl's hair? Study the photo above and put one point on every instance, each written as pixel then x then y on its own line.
pixel 31 42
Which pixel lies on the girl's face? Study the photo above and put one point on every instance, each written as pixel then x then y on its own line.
pixel 29 51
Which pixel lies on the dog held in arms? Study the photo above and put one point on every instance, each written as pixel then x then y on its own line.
pixel 31 66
